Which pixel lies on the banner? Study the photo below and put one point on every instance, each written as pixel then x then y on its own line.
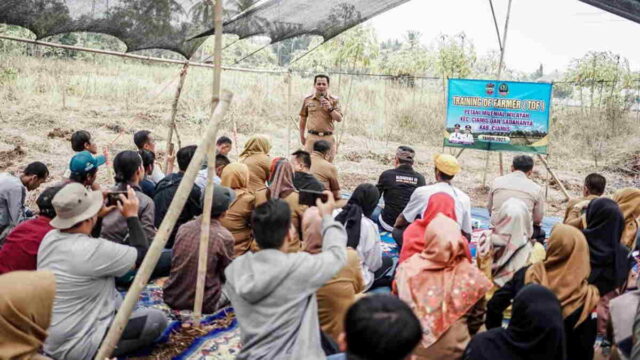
pixel 498 115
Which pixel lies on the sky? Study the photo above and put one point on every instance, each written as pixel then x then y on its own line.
pixel 548 32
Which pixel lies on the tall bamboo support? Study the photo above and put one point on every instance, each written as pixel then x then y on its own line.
pixel 211 168
pixel 174 111
pixel 153 254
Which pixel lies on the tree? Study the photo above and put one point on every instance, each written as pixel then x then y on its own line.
pixel 454 58
pixel 408 57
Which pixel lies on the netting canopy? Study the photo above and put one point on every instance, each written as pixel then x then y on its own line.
pixel 181 25
pixel 283 19
pixel 629 9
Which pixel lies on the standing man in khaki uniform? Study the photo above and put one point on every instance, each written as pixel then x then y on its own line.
pixel 317 116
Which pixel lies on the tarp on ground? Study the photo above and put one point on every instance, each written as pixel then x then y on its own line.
pixel 181 25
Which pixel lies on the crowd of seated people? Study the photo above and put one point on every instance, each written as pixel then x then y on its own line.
pixel 304 277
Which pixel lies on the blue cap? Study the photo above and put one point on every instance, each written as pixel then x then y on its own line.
pixel 83 162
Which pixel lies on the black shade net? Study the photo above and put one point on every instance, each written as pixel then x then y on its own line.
pixel 629 9
pixel 181 25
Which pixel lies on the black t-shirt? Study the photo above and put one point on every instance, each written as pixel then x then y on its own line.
pixel 306 181
pixel 397 185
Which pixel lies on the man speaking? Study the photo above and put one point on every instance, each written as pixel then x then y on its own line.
pixel 321 110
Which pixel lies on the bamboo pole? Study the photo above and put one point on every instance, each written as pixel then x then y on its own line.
pixel 153 254
pixel 211 169
pixel 557 180
pixel 289 91
pixel 174 111
pixel 133 56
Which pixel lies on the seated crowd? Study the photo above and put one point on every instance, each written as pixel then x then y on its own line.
pixel 305 276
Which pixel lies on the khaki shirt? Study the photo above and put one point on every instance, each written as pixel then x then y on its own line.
pixel 574 212
pixel 238 222
pixel 326 173
pixel 259 166
pixel 516 185
pixel 318 119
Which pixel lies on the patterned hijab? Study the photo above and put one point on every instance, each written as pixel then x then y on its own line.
pixel 565 272
pixel 281 181
pixel 629 201
pixel 441 284
pixel 26 302
pixel 511 240
pixel 257 144
pixel 236 177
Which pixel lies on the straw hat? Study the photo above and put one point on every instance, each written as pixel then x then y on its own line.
pixel 446 164
pixel 74 204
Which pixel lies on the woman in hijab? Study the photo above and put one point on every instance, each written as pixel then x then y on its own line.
pixel 534 332
pixel 238 217
pixel 281 187
pixel 509 242
pixel 564 272
pixel 363 234
pixel 413 237
pixel 610 262
pixel 444 289
pixel 256 156
pixel 26 302
pixel 629 201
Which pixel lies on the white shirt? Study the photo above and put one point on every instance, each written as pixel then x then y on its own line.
pixel 457 137
pixel 420 198
pixel 201 179
pixel 156 175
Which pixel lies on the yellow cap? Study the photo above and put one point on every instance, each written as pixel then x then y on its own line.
pixel 447 164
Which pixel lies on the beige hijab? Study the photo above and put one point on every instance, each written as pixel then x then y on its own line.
pixel 257 144
pixel 629 201
pixel 565 272
pixel 510 240
pixel 26 302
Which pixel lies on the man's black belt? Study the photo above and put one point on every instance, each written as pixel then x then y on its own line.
pixel 320 133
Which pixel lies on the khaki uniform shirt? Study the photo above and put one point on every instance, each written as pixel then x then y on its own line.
pixel 516 185
pixel 326 173
pixel 259 166
pixel 318 119
pixel 238 222
pixel 295 242
pixel 573 212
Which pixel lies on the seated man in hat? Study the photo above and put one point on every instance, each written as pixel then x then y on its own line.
pixel 86 298
pixel 396 186
pixel 83 169
pixel 180 290
pixel 446 167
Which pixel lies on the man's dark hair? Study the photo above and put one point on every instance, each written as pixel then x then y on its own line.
pixel 523 163
pixel 222 160
pixel 444 176
pixel 148 157
pixel 595 183
pixel 44 201
pixel 303 157
pixel 369 323
pixel 408 149
pixel 322 146
pixel 270 222
pixel 184 156
pixel 125 164
pixel 224 140
pixel 321 76
pixel 81 177
pixel 38 169
pixel 79 138
pixel 140 138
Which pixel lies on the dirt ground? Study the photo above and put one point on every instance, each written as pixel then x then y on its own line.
pixel 30 132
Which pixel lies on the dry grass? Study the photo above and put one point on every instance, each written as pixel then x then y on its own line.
pixel 42 100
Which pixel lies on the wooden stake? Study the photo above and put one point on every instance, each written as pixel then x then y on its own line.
pixel 486 168
pixel 562 188
pixel 501 166
pixel 211 172
pixel 289 91
pixel 174 110
pixel 153 254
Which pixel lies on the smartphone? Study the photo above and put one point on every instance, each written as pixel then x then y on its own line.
pixel 308 197
pixel 114 196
